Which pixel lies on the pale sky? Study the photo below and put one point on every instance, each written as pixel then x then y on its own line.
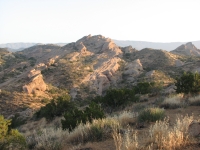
pixel 54 21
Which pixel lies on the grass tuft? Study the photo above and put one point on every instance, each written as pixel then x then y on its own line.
pixel 151 114
pixel 173 102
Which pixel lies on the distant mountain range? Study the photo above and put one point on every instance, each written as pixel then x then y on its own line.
pixel 155 45
pixel 20 46
pixel 135 44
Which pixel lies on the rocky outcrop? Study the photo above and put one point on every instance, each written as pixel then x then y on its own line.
pixel 187 49
pixel 104 76
pixel 134 68
pixel 128 49
pixel 41 66
pixel 33 73
pixel 36 82
pixel 51 61
pixel 97 44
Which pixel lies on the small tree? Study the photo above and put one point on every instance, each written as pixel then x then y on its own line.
pixel 10 138
pixel 74 118
pixel 188 83
pixel 56 107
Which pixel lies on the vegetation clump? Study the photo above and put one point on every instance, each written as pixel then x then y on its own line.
pixel 188 83
pixel 10 138
pixel 57 107
pixel 173 102
pixel 151 114
pixel 75 117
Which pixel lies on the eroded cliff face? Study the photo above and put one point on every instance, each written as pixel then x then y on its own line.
pixel 35 83
pixel 107 56
pixel 104 76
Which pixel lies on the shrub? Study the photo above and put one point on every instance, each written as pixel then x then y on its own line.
pixel 188 83
pixel 125 118
pixel 128 141
pixel 117 97
pixel 47 139
pixel 148 87
pixel 173 102
pixel 4 93
pixel 72 119
pixel 162 136
pixel 166 137
pixel 10 138
pixel 195 101
pixel 56 107
pixel 143 88
pixel 151 114
pixel 100 129
pixel 17 121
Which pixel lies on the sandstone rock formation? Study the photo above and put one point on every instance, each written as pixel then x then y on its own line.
pixel 104 76
pixel 33 73
pixel 128 49
pixel 36 82
pixel 134 68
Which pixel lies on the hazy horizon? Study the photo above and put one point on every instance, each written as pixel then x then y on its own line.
pixel 65 21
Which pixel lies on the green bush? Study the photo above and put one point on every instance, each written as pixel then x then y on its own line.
pixel 96 133
pixel 117 97
pixel 188 83
pixel 74 118
pixel 10 138
pixel 17 121
pixel 148 87
pixel 151 114
pixel 57 107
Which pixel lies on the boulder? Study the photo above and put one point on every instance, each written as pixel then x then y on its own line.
pixel 36 84
pixel 51 61
pixel 33 73
pixel 41 66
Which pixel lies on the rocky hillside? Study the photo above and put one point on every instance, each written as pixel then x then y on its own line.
pixel 187 49
pixel 155 45
pixel 84 68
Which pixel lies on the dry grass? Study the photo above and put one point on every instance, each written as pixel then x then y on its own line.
pixel 194 100
pixel 175 101
pixel 169 138
pixel 160 136
pixel 97 130
pixel 48 137
pixel 125 118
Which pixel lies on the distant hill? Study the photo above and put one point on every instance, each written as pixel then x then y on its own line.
pixel 188 49
pixel 154 45
pixel 13 47
pixel 135 44
pixel 16 46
